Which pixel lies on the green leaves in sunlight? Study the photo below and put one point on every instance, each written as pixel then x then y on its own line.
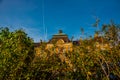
pixel 16 52
pixel 95 58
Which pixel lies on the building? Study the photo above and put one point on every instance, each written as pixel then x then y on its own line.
pixel 59 36
pixel 60 43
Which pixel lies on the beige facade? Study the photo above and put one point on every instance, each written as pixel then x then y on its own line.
pixel 60 46
pixel 59 43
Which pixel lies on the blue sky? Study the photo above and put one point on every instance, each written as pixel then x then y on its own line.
pixel 68 15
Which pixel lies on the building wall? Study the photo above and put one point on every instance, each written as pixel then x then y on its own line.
pixel 60 46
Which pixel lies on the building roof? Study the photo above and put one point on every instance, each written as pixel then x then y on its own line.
pixel 58 36
pixel 60 33
pixel 36 44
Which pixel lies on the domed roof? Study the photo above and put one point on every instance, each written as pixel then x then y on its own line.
pixel 60 33
pixel 58 36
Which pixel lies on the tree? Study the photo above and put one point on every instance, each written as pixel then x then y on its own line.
pixel 16 52
pixel 82 31
pixel 111 32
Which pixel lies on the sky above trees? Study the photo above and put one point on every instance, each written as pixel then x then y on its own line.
pixel 68 15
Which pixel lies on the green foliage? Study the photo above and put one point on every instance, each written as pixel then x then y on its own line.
pixel 88 61
pixel 16 52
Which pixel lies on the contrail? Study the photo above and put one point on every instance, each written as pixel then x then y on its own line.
pixel 43 16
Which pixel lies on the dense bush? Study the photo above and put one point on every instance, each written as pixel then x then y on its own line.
pixel 16 53
pixel 96 58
